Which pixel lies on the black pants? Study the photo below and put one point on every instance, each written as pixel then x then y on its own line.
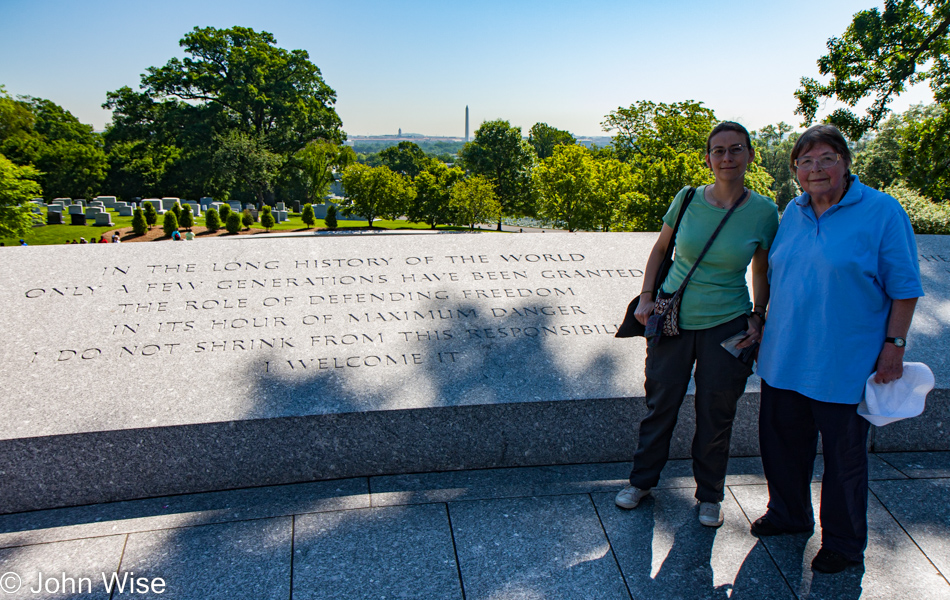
pixel 789 424
pixel 720 381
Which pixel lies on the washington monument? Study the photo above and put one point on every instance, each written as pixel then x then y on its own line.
pixel 466 122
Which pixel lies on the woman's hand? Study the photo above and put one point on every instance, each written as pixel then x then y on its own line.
pixel 890 364
pixel 644 308
pixel 753 334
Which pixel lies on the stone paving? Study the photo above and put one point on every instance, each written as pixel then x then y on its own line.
pixel 519 533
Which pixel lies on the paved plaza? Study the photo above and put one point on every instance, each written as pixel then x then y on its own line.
pixel 517 533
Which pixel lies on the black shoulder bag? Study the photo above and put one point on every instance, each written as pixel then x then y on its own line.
pixel 631 327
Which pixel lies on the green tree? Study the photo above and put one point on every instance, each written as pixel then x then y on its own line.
pixel 267 218
pixel 375 192
pixel 317 161
pixel 176 208
pixel 170 223
pixel 879 55
pixel 264 90
pixel 187 220
pixel 247 219
pixel 432 201
pixel 665 146
pixel 473 201
pixel 151 215
pixel 307 216
pixel 877 156
pixel 773 150
pixel 567 183
pixel 67 154
pixel 212 220
pixel 246 159
pixel 614 198
pixel 500 155
pixel 224 211
pixel 233 224
pixel 17 188
pixel 405 158
pixel 233 80
pixel 543 138
pixel 139 226
pixel 330 219
pixel 925 151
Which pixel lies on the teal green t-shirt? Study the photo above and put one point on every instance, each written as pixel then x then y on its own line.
pixel 717 291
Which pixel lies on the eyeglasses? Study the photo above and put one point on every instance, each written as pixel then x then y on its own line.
pixel 719 151
pixel 825 161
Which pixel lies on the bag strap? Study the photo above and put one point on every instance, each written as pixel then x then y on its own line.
pixel 676 227
pixel 732 209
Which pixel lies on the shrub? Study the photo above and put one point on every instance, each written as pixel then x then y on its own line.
pixel 233 224
pixel 187 218
pixel 170 224
pixel 139 225
pixel 247 219
pixel 331 217
pixel 212 220
pixel 151 215
pixel 925 216
pixel 177 210
pixel 267 218
pixel 224 212
pixel 307 216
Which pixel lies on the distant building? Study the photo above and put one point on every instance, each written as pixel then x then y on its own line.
pixel 400 132
pixel 466 122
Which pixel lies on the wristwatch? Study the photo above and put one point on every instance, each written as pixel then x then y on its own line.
pixel 897 341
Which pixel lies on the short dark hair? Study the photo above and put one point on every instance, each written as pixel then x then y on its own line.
pixel 728 126
pixel 821 134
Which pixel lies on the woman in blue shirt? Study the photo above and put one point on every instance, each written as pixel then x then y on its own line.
pixel 845 281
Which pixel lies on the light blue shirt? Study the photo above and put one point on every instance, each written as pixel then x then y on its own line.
pixel 832 282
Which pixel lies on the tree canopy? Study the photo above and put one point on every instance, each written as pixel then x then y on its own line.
pixel 879 55
pixel 405 158
pixel 375 192
pixel 17 187
pixel 499 154
pixel 67 155
pixel 543 138
pixel 235 87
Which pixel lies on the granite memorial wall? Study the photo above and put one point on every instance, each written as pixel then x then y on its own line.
pixel 189 367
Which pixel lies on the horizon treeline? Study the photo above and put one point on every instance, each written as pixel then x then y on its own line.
pixel 242 119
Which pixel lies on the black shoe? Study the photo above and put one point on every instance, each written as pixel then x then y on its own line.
pixel 832 561
pixel 763 528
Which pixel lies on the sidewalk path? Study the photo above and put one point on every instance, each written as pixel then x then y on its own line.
pixel 525 533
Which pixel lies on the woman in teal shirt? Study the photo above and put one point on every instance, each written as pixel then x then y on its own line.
pixel 715 306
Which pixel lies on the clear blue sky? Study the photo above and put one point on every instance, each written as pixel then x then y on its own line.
pixel 415 65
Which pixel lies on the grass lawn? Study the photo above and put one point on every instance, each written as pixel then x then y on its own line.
pixel 64 234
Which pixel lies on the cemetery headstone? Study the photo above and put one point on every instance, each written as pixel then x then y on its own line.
pixel 54 217
pixel 77 218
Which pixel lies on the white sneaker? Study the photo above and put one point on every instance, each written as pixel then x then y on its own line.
pixel 710 514
pixel 630 497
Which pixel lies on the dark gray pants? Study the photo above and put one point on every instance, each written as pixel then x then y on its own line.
pixel 789 424
pixel 720 381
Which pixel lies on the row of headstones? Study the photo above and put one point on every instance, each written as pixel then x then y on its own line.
pixel 98 208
